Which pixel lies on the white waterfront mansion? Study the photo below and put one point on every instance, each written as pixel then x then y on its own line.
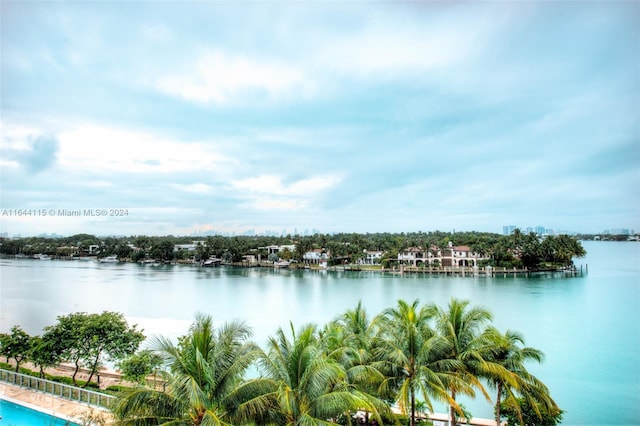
pixel 434 256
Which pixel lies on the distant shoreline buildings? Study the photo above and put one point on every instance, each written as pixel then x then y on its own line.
pixel 539 230
pixel 543 231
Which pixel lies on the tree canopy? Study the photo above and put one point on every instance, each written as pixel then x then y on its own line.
pixel 89 339
pixel 515 250
pixel 351 368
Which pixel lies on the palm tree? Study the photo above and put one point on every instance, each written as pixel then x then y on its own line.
pixel 358 329
pixel 411 349
pixel 460 327
pixel 509 352
pixel 350 340
pixel 300 385
pixel 205 369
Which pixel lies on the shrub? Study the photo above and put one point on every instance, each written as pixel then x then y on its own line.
pixel 114 389
pixel 69 381
pixel 549 416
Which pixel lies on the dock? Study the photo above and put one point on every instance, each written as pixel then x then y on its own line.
pixel 474 271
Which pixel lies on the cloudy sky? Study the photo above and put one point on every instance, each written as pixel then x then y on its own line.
pixel 366 116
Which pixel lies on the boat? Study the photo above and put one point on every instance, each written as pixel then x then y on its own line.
pixel 212 261
pixel 42 257
pixel 282 264
pixel 109 259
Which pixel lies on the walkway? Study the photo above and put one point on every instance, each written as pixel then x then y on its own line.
pixel 51 405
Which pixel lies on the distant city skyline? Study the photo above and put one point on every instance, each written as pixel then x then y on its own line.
pixel 161 118
pixel 541 230
pixel 506 230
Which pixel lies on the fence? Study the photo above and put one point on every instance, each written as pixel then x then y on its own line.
pixel 61 390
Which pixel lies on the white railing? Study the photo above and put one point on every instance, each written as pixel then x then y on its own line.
pixel 61 390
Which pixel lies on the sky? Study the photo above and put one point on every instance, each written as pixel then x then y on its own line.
pixel 162 117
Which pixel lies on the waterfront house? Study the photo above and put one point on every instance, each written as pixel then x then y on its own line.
pixel 277 249
pixel 371 257
pixel 417 256
pixel 315 256
pixel 188 247
pixel 448 256
pixel 249 258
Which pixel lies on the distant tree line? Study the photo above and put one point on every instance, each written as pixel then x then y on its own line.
pixel 515 250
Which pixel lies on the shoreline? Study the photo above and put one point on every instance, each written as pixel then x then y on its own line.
pixel 402 269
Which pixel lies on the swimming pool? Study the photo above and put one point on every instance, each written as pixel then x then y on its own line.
pixel 18 415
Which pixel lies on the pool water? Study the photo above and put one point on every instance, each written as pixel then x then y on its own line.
pixel 17 415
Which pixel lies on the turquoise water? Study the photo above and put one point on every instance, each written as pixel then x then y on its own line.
pixel 16 415
pixel 588 326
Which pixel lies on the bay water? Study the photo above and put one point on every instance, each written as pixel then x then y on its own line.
pixel 587 325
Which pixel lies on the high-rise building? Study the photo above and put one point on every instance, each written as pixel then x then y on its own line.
pixel 508 229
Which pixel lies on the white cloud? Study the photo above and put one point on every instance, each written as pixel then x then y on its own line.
pixel 220 78
pixel 389 48
pixel 268 192
pixel 273 185
pixel 102 149
pixel 196 188
pixel 276 204
pixel 97 184
pixel 157 33
pixel 15 137
pixel 9 163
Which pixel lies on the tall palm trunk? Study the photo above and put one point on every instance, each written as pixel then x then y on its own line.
pixel 413 407
pixel 452 410
pixel 498 404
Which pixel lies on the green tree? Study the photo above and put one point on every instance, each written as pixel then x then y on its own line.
pixel 286 254
pixel 304 245
pixel 205 368
pixel 566 248
pixel 351 340
pixel 466 349
pixel 163 250
pixel 44 353
pixel 123 251
pixel 508 350
pixel 202 253
pixel 4 346
pixel 235 249
pixel 215 246
pixel 11 247
pixel 412 350
pixel 530 413
pixel 531 254
pixel 89 339
pixel 138 366
pixel 300 385
pixel 16 345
